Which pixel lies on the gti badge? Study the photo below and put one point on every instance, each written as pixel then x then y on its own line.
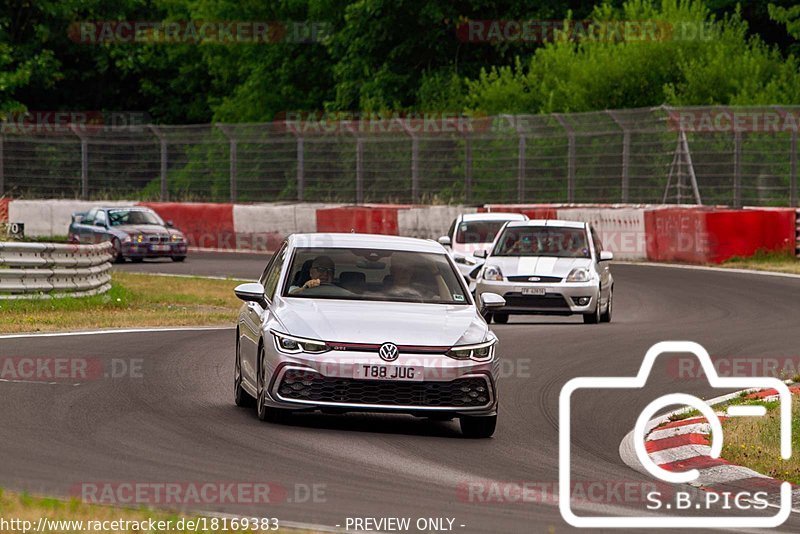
pixel 388 352
pixel 534 279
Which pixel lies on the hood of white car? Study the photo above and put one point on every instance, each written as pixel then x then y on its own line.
pixel 401 323
pixel 537 265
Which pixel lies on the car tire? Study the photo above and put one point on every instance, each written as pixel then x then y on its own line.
pixel 266 413
pixel 137 259
pixel 606 316
pixel 477 427
pixel 178 258
pixel 241 397
pixel 117 246
pixel 500 318
pixel 594 317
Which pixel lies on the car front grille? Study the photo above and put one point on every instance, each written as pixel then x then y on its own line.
pixel 541 279
pixel 471 392
pixel 159 238
pixel 549 301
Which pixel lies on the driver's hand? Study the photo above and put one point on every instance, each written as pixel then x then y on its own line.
pixel 314 282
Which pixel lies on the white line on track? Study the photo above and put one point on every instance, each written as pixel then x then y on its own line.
pixel 121 331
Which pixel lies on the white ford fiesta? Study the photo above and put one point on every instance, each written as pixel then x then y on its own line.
pixel 351 322
pixel 548 267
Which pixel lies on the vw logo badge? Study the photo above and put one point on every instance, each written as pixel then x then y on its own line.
pixel 388 352
pixel 534 279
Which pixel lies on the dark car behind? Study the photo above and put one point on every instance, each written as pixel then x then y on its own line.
pixel 135 232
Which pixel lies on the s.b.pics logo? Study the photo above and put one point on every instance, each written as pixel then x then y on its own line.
pixel 671 511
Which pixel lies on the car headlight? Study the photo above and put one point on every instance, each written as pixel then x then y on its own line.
pixel 579 274
pixel 177 237
pixel 295 345
pixel 126 239
pixel 492 273
pixel 479 352
pixel 139 238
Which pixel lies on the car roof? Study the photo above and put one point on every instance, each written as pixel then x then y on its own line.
pixel 377 241
pixel 494 216
pixel 548 222
pixel 131 208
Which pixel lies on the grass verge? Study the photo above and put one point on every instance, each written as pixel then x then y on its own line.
pixel 134 300
pixel 766 261
pixel 754 442
pixel 79 517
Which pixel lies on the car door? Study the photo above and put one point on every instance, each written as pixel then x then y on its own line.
pixel 84 230
pixel 100 227
pixel 255 315
pixel 602 267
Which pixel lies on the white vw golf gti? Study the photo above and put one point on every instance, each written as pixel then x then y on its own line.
pixel 352 322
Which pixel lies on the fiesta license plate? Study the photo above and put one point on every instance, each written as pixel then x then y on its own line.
pixel 159 248
pixel 533 291
pixel 388 372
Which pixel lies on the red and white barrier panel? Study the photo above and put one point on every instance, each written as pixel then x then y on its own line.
pixel 713 235
pixel 4 210
pixel 633 232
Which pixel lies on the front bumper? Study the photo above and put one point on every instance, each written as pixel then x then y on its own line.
pixel 326 382
pixel 559 298
pixel 153 250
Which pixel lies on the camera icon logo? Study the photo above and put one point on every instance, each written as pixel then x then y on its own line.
pixel 640 429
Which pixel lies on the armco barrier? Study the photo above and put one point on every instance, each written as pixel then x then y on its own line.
pixel 698 235
pixel 45 270
pixel 205 225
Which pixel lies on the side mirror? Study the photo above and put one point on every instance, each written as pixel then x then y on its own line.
pixel 491 300
pixel 606 255
pixel 169 224
pixel 445 241
pixel 480 254
pixel 252 292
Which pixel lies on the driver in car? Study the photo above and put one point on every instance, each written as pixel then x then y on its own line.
pixel 322 271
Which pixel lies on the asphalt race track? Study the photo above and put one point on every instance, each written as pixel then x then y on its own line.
pixel 227 264
pixel 176 421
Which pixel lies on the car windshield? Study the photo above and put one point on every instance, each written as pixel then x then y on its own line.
pixel 559 242
pixel 140 216
pixel 373 274
pixel 478 231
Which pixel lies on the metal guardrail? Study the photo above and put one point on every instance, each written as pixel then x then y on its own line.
pixel 50 270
